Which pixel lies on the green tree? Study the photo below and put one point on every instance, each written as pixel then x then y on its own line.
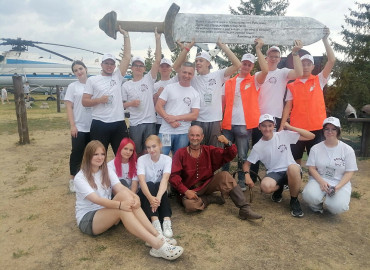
pixel 352 74
pixel 254 7
pixel 149 59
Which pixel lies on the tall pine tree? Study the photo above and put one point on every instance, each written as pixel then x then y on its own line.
pixel 353 73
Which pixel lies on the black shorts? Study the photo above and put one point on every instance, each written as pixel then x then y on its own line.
pixel 281 178
pixel 300 146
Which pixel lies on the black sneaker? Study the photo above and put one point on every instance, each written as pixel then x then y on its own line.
pixel 277 195
pixel 295 208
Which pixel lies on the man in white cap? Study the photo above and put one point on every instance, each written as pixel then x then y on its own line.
pixel 103 94
pixel 241 112
pixel 305 100
pixel 209 85
pixel 165 69
pixel 271 98
pixel 138 98
pixel 273 150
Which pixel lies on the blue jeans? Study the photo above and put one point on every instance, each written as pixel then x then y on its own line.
pixel 240 136
pixel 177 141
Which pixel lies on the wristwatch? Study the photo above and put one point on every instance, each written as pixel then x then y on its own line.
pixel 229 144
pixel 246 172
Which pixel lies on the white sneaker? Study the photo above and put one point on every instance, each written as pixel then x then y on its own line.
pixel 72 186
pixel 167 251
pixel 167 228
pixel 157 225
pixel 170 241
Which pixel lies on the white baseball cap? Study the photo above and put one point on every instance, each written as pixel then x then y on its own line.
pixel 249 57
pixel 137 58
pixel 309 57
pixel 272 49
pixel 108 56
pixel 266 117
pixel 166 61
pixel 332 120
pixel 204 55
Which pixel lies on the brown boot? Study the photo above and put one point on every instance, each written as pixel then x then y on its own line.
pixel 245 212
pixel 212 199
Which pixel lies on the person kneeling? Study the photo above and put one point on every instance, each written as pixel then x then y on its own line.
pixel 273 150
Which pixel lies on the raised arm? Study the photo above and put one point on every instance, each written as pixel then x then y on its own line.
pixel 235 62
pixel 261 61
pixel 297 63
pixel 125 61
pixel 182 56
pixel 330 54
pixel 305 135
pixel 157 54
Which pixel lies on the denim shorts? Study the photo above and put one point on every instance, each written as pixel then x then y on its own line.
pixel 86 222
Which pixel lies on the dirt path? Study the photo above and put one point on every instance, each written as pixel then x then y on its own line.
pixel 38 228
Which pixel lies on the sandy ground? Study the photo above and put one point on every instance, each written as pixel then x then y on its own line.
pixel 38 227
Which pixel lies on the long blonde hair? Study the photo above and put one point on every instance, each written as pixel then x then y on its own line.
pixel 90 150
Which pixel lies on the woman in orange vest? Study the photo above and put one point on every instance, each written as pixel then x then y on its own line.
pixel 305 100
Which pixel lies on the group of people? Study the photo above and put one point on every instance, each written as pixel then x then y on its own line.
pixel 205 120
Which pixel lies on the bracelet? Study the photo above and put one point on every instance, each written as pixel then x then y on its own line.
pixel 246 172
pixel 294 53
pixel 119 207
pixel 186 48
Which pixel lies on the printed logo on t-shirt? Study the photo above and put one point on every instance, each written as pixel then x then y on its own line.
pixel 211 82
pixel 282 148
pixel 143 87
pixel 312 87
pixel 339 162
pixel 187 100
pixel 112 83
pixel 159 174
pixel 247 86
pixel 273 80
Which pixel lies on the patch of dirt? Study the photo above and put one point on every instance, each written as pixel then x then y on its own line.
pixel 38 228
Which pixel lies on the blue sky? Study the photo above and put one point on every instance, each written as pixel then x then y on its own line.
pixel 75 23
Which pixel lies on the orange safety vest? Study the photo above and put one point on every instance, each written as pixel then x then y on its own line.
pixel 308 110
pixel 249 96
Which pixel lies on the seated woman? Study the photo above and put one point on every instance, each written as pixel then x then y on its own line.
pixel 154 170
pixel 124 164
pixel 96 212
pixel 331 164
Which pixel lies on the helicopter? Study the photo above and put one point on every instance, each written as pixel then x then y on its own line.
pixel 40 72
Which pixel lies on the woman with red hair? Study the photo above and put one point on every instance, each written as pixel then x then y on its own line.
pixel 124 164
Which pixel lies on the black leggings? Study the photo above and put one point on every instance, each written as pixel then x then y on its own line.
pixel 78 147
pixel 164 210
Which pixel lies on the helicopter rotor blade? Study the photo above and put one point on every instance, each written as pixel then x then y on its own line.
pixel 58 54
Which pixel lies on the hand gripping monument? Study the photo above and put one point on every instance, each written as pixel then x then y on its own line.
pixel 233 29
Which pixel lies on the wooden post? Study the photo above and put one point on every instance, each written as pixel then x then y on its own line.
pixel 20 108
pixel 58 99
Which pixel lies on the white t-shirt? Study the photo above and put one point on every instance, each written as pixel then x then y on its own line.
pixel 237 117
pixel 179 100
pixel 83 189
pixel 81 114
pixel 323 81
pixel 275 154
pixel 4 93
pixel 271 98
pixel 142 90
pixel 209 87
pixel 332 162
pixel 99 86
pixel 125 169
pixel 26 89
pixel 163 84
pixel 153 171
